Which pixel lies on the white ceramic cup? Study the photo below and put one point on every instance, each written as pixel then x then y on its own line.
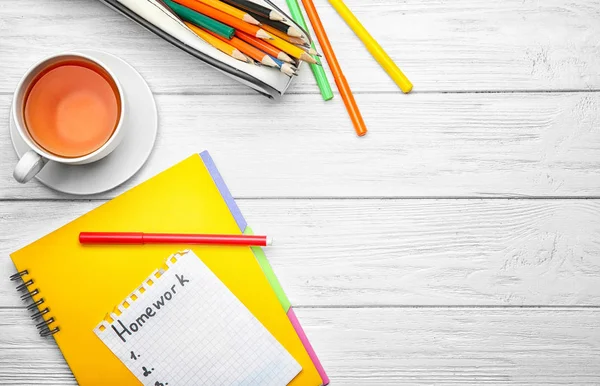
pixel 34 160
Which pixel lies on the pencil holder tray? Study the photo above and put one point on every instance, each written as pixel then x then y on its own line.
pixel 157 17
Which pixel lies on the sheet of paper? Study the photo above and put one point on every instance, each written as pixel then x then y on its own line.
pixel 182 326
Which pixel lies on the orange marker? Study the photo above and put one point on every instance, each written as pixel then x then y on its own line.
pixel 334 65
pixel 224 18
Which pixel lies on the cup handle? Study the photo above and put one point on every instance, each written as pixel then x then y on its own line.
pixel 28 166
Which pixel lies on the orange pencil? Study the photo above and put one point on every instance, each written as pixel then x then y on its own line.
pixel 220 44
pixel 334 65
pixel 224 18
pixel 233 11
pixel 247 49
pixel 264 46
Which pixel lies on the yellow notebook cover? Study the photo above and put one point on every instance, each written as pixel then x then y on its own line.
pixel 80 284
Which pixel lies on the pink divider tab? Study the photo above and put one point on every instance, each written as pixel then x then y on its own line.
pixel 309 349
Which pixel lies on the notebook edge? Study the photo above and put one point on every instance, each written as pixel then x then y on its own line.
pixel 242 223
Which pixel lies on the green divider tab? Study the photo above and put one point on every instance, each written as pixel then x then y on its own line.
pixel 268 271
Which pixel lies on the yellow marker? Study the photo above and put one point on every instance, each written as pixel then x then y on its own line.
pixel 374 48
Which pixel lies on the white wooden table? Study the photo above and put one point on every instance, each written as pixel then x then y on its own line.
pixel 458 243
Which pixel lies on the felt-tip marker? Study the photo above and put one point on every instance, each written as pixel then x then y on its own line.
pixel 139 238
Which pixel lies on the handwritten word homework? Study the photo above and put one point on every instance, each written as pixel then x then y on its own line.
pixel 184 327
pixel 150 311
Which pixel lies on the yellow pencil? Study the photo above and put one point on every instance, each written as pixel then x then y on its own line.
pixel 218 44
pixel 374 48
pixel 282 35
pixel 291 50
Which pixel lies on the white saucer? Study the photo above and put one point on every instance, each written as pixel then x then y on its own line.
pixel 141 125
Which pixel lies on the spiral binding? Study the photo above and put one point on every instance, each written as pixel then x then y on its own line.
pixel 45 327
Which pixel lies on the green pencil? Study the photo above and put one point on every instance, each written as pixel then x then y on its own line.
pixel 317 69
pixel 201 20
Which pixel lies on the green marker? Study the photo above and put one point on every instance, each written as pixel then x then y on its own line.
pixel 317 69
pixel 201 20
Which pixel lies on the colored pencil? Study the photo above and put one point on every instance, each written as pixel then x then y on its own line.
pixel 336 69
pixel 374 48
pixel 286 68
pixel 218 42
pixel 224 18
pixel 289 30
pixel 200 20
pixel 282 35
pixel 139 238
pixel 247 5
pixel 233 11
pixel 292 50
pixel 309 50
pixel 264 46
pixel 317 70
pixel 248 49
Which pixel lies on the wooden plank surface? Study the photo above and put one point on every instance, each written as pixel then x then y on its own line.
pixel 457 243
pixel 434 145
pixel 456 45
pixel 397 252
pixel 390 346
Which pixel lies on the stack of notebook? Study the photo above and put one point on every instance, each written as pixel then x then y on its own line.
pixel 73 287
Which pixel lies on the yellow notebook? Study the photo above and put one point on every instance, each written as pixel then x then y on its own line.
pixel 80 284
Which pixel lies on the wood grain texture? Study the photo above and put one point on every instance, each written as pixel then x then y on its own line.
pixel 387 346
pixel 441 45
pixel 435 145
pixel 469 288
pixel 396 252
